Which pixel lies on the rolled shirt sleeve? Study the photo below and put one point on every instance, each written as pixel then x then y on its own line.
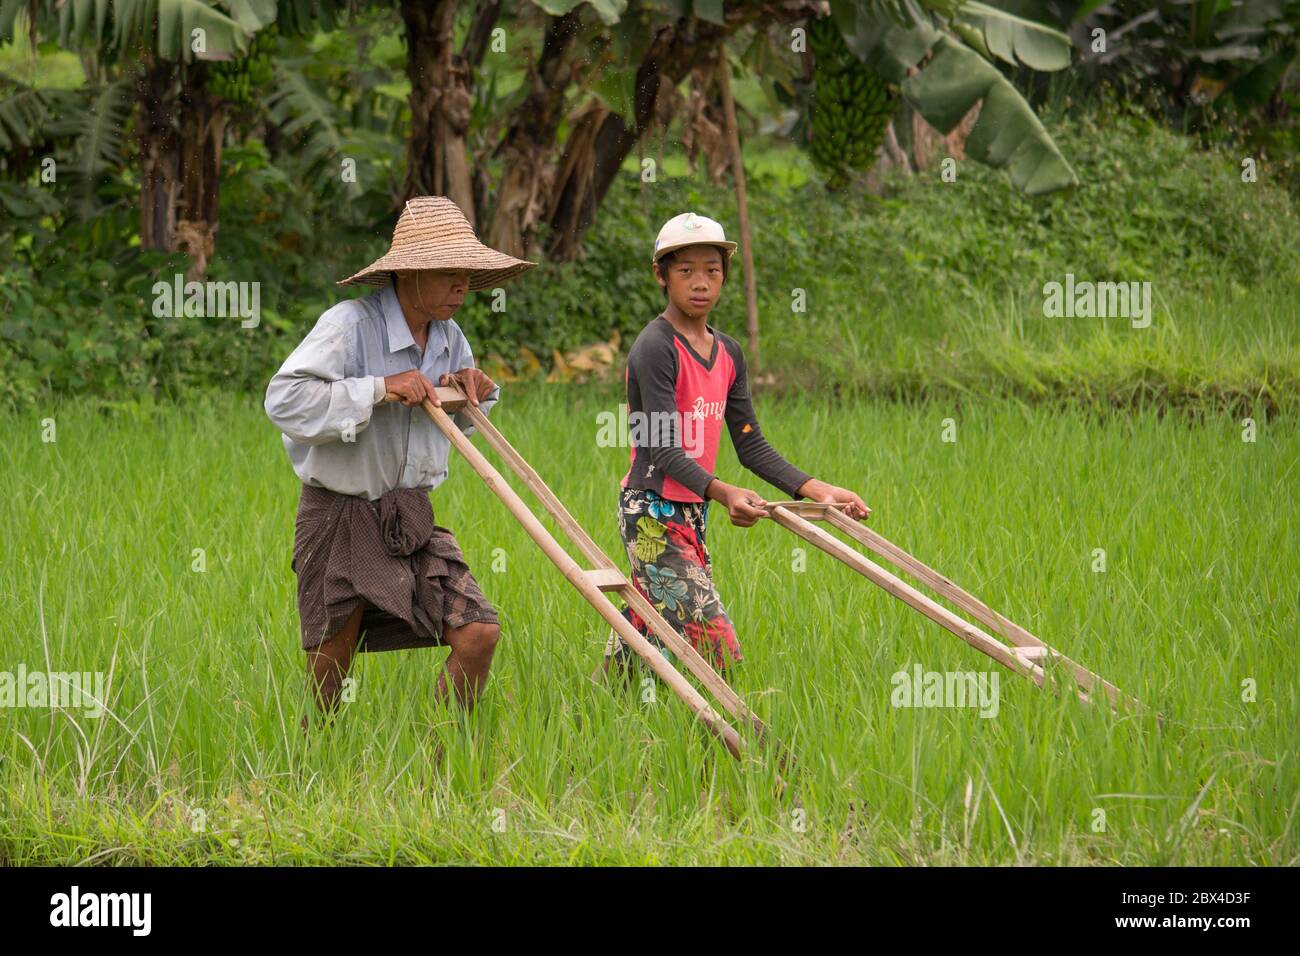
pixel 310 400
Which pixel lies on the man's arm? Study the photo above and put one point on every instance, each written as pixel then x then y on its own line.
pixel 753 450
pixel 309 400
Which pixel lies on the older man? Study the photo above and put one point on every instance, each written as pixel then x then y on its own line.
pixel 374 571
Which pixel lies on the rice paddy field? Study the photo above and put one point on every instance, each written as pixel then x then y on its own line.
pixel 152 543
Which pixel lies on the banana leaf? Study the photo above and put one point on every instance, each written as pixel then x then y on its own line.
pixel 1006 135
pixel 1013 39
pixel 609 11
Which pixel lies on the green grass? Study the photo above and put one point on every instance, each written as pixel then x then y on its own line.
pixel 936 291
pixel 1199 595
pixel 1225 351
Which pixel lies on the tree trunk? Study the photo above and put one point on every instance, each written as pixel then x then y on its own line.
pixel 159 152
pixel 530 141
pixel 480 33
pixel 703 126
pixel 441 101
pixel 591 161
pixel 742 205
pixel 674 51
pixel 574 203
pixel 203 124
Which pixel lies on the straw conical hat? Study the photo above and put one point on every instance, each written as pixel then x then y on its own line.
pixel 432 233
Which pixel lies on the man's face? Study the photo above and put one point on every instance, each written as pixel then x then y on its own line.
pixel 431 294
pixel 694 279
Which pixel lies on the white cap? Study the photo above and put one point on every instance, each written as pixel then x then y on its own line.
pixel 689 229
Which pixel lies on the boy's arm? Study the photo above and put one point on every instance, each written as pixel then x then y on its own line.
pixel 753 450
pixel 309 399
pixel 652 370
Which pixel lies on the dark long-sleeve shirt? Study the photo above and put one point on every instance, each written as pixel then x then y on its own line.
pixel 677 402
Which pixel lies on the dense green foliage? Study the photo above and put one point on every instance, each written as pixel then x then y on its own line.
pixel 937 286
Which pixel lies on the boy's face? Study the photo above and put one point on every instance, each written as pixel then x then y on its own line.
pixel 693 279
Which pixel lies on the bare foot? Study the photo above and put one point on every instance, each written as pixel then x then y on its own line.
pixel 432 782
pixel 616 670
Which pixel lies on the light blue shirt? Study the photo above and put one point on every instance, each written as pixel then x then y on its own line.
pixel 327 399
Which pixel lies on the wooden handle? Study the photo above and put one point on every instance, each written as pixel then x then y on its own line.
pixel 452 398
pixel 578 577
pixel 810 510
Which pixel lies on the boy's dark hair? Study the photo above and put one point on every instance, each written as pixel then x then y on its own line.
pixel 667 258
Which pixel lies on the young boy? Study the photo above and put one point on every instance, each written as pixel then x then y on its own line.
pixel 374 571
pixel 684 379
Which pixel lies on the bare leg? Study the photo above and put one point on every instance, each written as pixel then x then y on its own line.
pixel 467 666
pixel 329 661
pixel 619 669
pixel 620 664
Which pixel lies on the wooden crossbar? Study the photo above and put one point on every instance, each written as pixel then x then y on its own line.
pixel 1021 655
pixel 608 579
pixel 602 579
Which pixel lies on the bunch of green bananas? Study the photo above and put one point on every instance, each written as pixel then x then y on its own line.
pixel 235 80
pixel 851 106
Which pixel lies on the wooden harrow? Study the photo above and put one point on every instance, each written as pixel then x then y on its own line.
pixel 1025 654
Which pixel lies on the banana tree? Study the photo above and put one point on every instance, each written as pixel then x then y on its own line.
pixel 527 147
pixel 648 47
pixel 1207 57
pixel 942 55
pixel 162 48
pixel 442 81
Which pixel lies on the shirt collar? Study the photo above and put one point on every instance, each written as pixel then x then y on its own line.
pixel 399 333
